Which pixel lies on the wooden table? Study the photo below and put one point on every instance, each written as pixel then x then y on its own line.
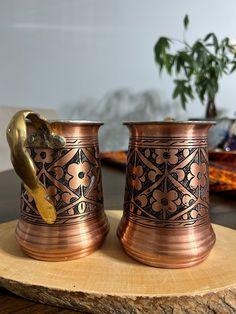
pixel 223 212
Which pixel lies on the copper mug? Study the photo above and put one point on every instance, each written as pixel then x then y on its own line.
pixel 165 220
pixel 62 214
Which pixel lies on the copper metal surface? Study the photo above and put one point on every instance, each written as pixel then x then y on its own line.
pixel 165 221
pixel 17 138
pixel 71 176
pixel 64 242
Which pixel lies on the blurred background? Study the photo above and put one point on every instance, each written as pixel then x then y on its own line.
pixel 88 59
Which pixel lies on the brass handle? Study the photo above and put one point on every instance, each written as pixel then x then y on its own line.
pixel 24 165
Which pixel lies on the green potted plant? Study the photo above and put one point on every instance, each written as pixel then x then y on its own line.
pixel 196 68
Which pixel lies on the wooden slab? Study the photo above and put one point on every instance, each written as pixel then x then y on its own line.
pixel 108 281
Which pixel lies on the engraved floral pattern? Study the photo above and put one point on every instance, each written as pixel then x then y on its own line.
pixel 167 201
pixel 53 192
pixel 162 182
pixel 73 181
pixel 166 155
pixel 143 200
pixel 43 155
pixel 152 174
pixel 56 196
pixel 58 172
pixel 79 173
pixel 197 175
pixel 135 177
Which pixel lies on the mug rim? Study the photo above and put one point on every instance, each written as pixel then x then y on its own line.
pixel 195 122
pixel 82 122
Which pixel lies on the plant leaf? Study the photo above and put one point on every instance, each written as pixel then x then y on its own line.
pixel 175 92
pixel 186 22
pixel 233 67
pixel 214 43
pixel 183 90
pixel 160 51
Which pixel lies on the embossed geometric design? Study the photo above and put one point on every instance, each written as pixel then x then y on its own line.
pixel 72 177
pixel 167 182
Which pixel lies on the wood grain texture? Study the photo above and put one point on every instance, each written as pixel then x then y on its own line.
pixel 108 281
pixel 10 303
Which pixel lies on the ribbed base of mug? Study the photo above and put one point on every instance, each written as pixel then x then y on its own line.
pixel 61 243
pixel 176 248
pixel 160 260
pixel 64 256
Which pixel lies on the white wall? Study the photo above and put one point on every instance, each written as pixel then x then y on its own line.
pixel 55 53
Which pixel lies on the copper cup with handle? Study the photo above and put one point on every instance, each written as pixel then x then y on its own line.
pixel 165 220
pixel 62 214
